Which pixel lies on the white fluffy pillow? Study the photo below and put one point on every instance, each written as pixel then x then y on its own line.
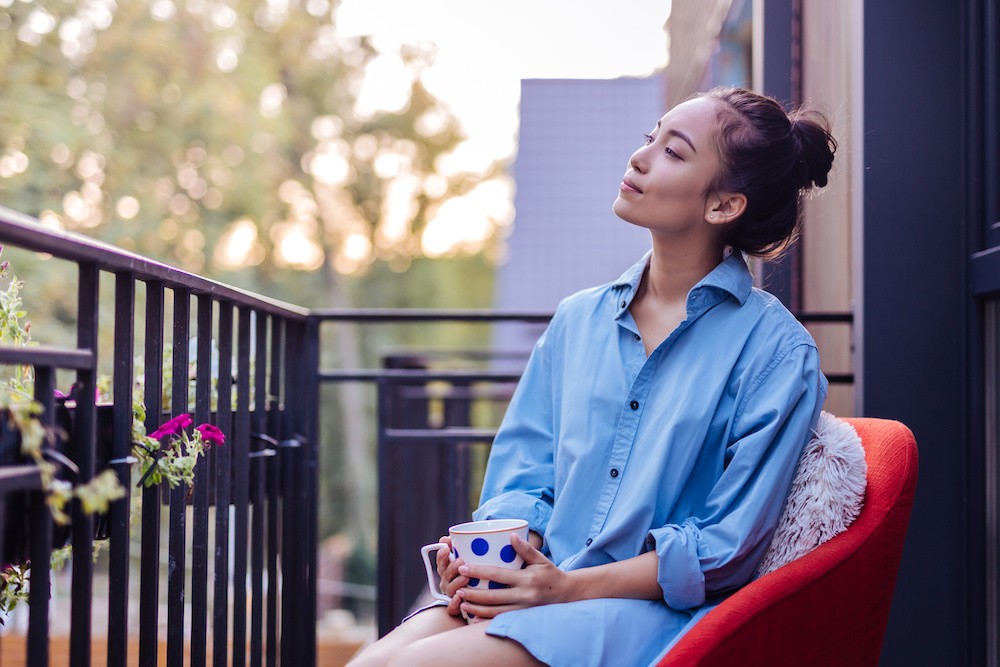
pixel 826 494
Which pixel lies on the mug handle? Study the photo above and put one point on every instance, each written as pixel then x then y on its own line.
pixel 425 552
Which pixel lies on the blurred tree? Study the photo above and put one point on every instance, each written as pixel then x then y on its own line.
pixel 221 134
pixel 241 139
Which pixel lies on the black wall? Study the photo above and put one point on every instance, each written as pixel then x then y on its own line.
pixel 916 310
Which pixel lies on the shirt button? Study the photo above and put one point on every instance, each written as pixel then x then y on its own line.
pixel 589 541
pixel 614 472
pixel 623 303
pixel 637 336
pixel 634 405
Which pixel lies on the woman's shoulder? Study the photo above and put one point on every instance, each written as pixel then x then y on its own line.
pixel 772 319
pixel 586 313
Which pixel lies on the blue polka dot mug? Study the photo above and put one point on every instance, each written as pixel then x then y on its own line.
pixel 478 543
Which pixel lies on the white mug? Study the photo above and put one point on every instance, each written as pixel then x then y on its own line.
pixel 478 543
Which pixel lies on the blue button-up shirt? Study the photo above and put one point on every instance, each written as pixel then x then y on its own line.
pixel 689 452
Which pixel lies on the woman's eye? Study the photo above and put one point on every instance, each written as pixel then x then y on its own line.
pixel 672 153
pixel 648 138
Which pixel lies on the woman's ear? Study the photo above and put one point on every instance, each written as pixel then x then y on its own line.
pixel 721 208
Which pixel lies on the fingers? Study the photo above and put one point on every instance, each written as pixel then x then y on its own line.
pixel 482 610
pixel 482 596
pixel 453 584
pixel 443 556
pixel 500 575
pixel 454 605
pixel 525 550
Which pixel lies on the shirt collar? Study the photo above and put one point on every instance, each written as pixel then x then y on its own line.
pixel 731 277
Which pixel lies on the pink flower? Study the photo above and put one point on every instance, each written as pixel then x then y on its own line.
pixel 172 426
pixel 211 434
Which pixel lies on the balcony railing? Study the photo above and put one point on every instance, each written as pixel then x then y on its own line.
pixel 432 442
pixel 266 472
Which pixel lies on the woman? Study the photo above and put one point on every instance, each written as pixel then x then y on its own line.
pixel 653 437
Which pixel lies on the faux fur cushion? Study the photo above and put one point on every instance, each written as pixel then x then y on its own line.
pixel 826 494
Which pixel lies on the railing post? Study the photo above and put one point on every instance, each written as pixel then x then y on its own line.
pixel 386 596
pixel 83 456
pixel 199 545
pixel 149 567
pixel 273 469
pixel 292 519
pixel 177 540
pixel 223 478
pixel 241 498
pixel 41 540
pixel 309 409
pixel 118 516
pixel 257 476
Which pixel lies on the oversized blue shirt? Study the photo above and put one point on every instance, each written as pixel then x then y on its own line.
pixel 689 452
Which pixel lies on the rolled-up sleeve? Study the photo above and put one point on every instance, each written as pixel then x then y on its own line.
pixel 519 477
pixel 718 550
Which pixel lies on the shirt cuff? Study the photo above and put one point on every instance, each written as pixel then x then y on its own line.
pixel 678 569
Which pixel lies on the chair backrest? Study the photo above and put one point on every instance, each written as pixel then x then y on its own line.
pixel 831 606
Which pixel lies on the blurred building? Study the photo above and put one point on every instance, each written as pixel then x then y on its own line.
pixel 575 140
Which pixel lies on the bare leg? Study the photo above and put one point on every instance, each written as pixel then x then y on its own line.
pixel 427 623
pixel 455 647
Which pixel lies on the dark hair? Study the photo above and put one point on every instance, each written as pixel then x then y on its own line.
pixel 772 157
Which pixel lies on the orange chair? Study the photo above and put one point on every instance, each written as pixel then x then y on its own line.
pixel 831 606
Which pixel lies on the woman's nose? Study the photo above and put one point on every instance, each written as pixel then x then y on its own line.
pixel 638 160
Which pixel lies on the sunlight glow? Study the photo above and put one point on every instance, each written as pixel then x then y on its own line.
pixel 328 163
pixel 295 249
pixel 271 99
pixel 239 247
pixel 127 207
pixel 398 208
pixel 467 223
pixel 386 86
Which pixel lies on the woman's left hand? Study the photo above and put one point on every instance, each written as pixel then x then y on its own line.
pixel 539 582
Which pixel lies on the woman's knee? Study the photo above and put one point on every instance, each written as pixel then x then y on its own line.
pixel 370 656
pixel 455 648
pixel 425 624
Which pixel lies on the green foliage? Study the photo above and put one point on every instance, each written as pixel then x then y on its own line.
pixel 13 587
pixel 15 578
pixel 172 461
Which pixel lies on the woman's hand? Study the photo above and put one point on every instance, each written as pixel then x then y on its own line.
pixel 539 582
pixel 451 580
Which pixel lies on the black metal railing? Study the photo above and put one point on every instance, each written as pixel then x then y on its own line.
pixel 266 471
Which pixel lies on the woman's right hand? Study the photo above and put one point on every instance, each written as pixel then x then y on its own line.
pixel 451 580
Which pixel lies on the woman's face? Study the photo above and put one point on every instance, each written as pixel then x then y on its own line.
pixel 666 185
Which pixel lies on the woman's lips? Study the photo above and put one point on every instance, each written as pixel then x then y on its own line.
pixel 628 186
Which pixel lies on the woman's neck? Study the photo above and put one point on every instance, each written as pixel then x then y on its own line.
pixel 675 268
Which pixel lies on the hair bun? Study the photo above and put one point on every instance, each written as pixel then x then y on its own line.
pixel 811 131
